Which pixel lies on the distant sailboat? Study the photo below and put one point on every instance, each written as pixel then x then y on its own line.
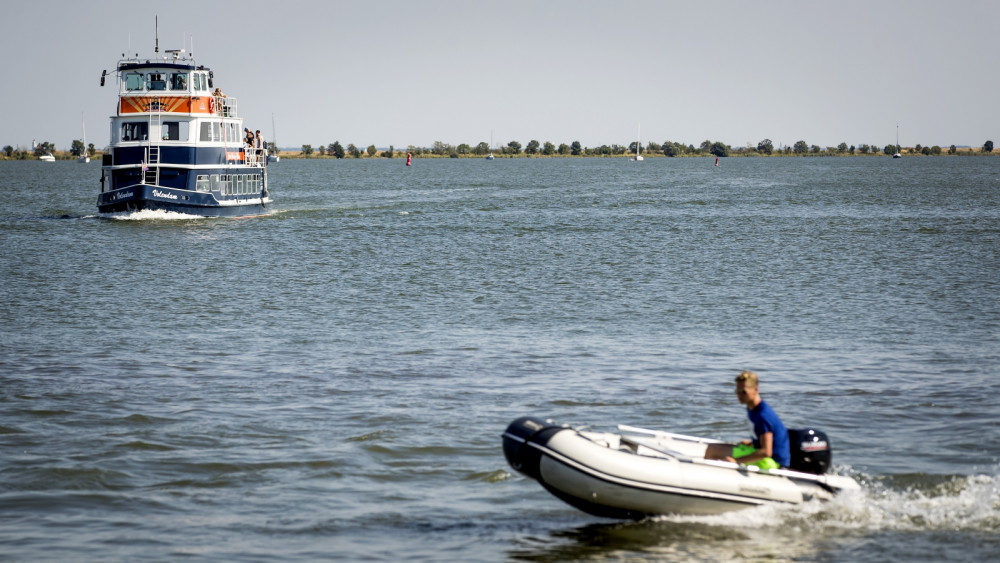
pixel 274 142
pixel 637 156
pixel 490 156
pixel 897 155
pixel 84 156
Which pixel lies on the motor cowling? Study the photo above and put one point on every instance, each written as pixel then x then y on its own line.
pixel 810 451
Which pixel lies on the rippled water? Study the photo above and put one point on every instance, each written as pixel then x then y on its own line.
pixel 330 381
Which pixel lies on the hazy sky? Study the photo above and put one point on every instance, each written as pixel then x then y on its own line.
pixel 387 72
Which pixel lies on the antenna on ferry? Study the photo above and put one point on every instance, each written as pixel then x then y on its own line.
pixel 157 50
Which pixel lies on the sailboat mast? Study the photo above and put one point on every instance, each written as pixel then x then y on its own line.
pixel 896 154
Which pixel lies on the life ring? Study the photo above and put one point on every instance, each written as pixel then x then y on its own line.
pixel 211 104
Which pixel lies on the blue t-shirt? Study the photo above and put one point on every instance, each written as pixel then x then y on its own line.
pixel 765 420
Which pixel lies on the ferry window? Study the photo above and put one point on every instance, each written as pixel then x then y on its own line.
pixel 210 131
pixel 135 131
pixel 178 81
pixel 134 81
pixel 201 83
pixel 174 130
pixel 157 81
pixel 202 184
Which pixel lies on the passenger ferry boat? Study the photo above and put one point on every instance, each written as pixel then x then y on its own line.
pixel 178 145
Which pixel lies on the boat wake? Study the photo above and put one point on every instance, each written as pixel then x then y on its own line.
pixel 914 517
pixel 152 215
pixel 908 503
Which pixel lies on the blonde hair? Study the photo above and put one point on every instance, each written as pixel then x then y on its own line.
pixel 748 378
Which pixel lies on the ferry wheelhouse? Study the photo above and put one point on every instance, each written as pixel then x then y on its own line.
pixel 178 144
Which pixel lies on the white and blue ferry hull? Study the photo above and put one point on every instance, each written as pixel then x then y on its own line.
pixel 140 197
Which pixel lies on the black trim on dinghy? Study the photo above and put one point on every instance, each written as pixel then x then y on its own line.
pixel 611 512
pixel 518 435
pixel 526 440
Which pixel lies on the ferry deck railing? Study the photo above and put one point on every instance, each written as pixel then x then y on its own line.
pixel 225 106
pixel 228 107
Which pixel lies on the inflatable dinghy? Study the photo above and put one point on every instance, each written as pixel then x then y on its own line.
pixel 636 473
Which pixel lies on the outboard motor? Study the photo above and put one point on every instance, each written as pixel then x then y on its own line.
pixel 810 451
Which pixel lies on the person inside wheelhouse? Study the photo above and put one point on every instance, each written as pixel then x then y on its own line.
pixel 158 81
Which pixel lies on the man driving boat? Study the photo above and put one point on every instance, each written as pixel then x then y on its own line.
pixel 770 447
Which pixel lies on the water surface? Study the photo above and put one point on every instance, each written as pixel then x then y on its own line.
pixel 330 381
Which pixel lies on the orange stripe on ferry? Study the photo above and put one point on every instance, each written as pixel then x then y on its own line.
pixel 176 104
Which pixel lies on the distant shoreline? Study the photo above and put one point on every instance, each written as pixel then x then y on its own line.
pixel 401 154
pixel 906 152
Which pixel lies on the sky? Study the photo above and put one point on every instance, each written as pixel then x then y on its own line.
pixel 398 73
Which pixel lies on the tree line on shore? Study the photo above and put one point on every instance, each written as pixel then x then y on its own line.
pixel 41 149
pixel 667 148
pixel 534 148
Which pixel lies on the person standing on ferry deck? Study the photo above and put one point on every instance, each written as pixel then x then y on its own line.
pixel 770 448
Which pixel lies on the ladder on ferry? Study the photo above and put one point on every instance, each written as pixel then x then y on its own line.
pixel 151 175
